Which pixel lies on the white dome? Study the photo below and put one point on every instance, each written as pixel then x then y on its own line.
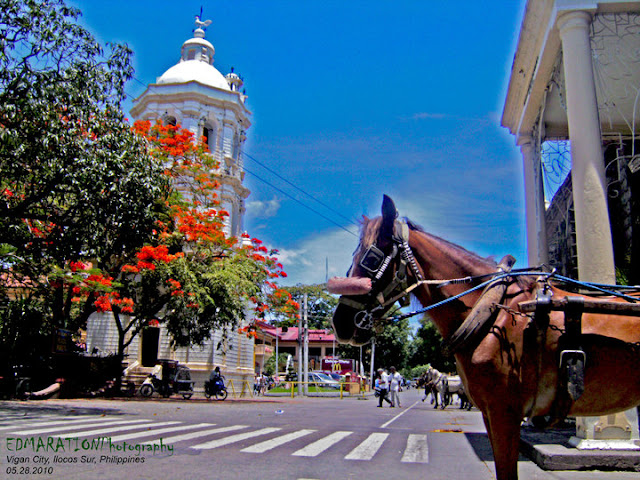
pixel 195 70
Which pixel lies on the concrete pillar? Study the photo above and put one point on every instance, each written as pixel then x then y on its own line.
pixel 593 231
pixel 537 249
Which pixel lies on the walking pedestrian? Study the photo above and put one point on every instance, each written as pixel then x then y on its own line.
pixel 395 380
pixel 383 385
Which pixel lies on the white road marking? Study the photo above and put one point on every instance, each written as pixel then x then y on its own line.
pixel 8 417
pixel 103 431
pixel 71 427
pixel 367 449
pixel 233 439
pixel 191 436
pixel 92 418
pixel 417 450
pixel 149 433
pixel 386 424
pixel 276 442
pixel 316 448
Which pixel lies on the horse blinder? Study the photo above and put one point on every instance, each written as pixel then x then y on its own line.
pixel 372 260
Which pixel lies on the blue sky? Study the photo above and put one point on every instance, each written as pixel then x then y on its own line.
pixel 352 100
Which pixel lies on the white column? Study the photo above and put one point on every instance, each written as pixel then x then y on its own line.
pixel 537 248
pixel 593 231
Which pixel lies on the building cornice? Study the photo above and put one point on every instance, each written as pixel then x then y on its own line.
pixel 192 91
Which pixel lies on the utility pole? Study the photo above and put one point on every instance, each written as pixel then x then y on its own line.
pixel 300 379
pixel 306 346
pixel 373 354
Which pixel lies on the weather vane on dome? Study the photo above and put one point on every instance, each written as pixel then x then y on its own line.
pixel 200 23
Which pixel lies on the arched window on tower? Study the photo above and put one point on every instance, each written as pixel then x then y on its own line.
pixel 170 120
pixel 209 134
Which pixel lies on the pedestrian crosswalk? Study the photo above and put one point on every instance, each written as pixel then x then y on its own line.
pixel 303 443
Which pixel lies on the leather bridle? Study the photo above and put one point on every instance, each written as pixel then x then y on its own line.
pixel 374 263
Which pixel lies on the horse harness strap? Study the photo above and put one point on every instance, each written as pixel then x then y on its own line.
pixel 479 319
pixel 572 357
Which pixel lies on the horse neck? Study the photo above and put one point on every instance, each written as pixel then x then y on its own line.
pixel 441 260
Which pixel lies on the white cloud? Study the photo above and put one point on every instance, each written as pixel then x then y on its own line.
pixel 428 116
pixel 263 209
pixel 316 258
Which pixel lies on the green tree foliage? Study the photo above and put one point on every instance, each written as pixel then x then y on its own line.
pixel 425 348
pixel 416 371
pixel 75 181
pixel 320 305
pixel 270 364
pixel 392 347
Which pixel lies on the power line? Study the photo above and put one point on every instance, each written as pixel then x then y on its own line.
pixel 300 202
pixel 299 189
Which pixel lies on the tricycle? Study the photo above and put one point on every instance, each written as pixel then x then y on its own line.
pixel 168 377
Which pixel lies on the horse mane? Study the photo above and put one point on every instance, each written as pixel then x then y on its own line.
pixel 467 255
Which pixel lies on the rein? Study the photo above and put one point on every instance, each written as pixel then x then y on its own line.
pixel 609 290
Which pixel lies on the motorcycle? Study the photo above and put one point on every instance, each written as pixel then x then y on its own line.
pixel 214 387
pixel 154 384
pixel 174 378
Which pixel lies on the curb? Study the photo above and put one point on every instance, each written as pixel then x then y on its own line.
pixel 550 450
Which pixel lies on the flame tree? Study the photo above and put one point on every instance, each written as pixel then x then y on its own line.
pixel 97 216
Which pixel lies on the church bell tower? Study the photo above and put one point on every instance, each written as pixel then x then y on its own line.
pixel 195 95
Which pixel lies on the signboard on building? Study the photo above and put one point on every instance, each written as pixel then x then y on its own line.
pixel 338 365
pixel 62 341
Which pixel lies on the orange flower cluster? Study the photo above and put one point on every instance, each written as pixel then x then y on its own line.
pixel 196 225
pixel 106 302
pixel 175 287
pixel 249 331
pixel 149 254
pixel 96 283
pixel 75 266
pixel 170 140
pixel 158 254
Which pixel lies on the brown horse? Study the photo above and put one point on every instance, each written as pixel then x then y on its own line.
pixel 508 362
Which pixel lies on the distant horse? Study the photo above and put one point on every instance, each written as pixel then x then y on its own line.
pixel 508 361
pixel 429 381
pixel 452 385
pixel 446 386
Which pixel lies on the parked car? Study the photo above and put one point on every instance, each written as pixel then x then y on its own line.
pixel 321 379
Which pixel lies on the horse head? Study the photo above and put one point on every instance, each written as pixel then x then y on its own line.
pixel 374 279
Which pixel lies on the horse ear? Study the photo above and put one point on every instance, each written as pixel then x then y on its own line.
pixel 389 215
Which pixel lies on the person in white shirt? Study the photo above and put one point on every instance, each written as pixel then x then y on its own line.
pixel 383 385
pixel 395 380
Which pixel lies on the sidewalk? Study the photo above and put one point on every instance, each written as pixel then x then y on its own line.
pixel 550 450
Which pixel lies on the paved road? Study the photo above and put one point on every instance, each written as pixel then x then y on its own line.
pixel 266 439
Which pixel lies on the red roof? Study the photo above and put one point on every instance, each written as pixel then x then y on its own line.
pixel 291 335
